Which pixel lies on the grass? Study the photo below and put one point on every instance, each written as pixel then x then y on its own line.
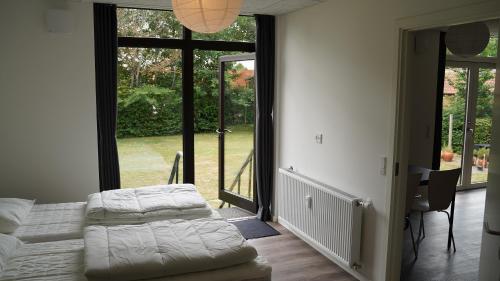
pixel 477 175
pixel 148 161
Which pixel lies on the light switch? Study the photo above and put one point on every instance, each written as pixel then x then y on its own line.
pixel 383 165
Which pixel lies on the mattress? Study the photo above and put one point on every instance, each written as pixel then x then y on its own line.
pixel 63 261
pixel 53 222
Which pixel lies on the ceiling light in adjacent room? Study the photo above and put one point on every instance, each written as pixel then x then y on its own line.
pixel 467 40
pixel 207 16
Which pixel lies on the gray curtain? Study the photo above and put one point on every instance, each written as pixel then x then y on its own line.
pixel 106 46
pixel 265 59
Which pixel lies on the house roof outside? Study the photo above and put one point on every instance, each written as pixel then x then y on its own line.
pixel 451 77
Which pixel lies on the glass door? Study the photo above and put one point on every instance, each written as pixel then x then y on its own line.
pixel 467 119
pixel 482 119
pixel 237 131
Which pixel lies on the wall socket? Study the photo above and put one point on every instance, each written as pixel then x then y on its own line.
pixel 319 138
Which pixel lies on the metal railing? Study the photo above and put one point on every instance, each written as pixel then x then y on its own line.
pixel 175 169
pixel 237 180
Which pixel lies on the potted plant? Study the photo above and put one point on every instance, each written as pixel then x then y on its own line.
pixel 483 155
pixel 447 154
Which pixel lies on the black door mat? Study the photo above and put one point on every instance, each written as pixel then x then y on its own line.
pixel 254 228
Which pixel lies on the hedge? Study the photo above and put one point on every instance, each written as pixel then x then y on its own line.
pixel 482 132
pixel 155 111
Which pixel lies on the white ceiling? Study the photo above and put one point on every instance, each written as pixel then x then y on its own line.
pixel 250 7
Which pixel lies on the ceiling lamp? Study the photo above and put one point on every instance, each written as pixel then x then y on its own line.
pixel 467 40
pixel 207 16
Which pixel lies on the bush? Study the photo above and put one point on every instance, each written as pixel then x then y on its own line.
pixel 155 111
pixel 482 133
pixel 149 111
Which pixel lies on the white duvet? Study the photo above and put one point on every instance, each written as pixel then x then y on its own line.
pixel 146 204
pixel 163 248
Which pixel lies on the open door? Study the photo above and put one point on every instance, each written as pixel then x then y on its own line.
pixel 237 131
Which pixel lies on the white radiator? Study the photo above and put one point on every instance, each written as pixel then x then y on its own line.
pixel 326 218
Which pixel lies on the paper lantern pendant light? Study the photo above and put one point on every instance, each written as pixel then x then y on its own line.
pixel 467 40
pixel 207 16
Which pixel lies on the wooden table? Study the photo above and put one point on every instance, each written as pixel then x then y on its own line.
pixel 424 181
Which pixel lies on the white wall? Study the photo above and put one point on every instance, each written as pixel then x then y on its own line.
pixel 336 73
pixel 48 143
pixel 490 245
pixel 422 65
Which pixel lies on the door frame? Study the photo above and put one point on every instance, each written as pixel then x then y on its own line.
pixel 473 65
pixel 399 145
pixel 229 197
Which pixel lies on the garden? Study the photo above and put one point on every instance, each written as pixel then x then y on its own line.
pixel 454 114
pixel 149 123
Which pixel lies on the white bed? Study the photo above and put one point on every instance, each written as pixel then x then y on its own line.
pixel 64 261
pixel 53 222
pixel 64 221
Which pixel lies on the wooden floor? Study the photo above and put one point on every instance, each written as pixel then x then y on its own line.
pixel 294 260
pixel 434 261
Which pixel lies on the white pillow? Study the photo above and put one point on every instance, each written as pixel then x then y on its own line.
pixel 8 245
pixel 13 211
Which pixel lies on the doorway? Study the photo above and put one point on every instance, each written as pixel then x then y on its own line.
pixel 468 104
pixel 467 116
pixel 236 131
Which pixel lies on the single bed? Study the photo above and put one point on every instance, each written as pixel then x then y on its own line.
pixel 64 261
pixel 64 221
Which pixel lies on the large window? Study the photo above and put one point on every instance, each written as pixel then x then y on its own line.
pixel 168 99
pixel 149 114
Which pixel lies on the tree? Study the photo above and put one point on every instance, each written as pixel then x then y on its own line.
pixel 457 105
pixel 149 80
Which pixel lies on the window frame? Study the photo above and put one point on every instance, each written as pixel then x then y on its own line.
pixel 187 45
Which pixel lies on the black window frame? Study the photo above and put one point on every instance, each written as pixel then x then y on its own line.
pixel 187 45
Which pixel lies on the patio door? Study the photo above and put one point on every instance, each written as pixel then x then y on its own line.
pixel 236 131
pixel 467 120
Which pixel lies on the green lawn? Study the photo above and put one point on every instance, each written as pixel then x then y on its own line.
pixel 477 175
pixel 148 161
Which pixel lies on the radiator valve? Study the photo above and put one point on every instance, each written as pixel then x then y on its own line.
pixel 309 201
pixel 364 203
pixel 356 266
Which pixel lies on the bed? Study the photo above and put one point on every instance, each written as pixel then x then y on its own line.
pixel 64 261
pixel 54 222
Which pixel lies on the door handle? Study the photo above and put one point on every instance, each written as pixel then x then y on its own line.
pixel 489 231
pixel 218 131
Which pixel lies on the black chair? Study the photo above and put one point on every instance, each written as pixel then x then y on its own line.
pixel 413 182
pixel 441 192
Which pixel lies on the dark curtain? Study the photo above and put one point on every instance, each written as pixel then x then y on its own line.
pixel 106 44
pixel 265 60
pixel 436 160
